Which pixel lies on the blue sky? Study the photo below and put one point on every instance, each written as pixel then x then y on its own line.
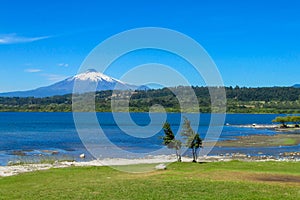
pixel 253 43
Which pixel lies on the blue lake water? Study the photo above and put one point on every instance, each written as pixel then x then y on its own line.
pixel 39 134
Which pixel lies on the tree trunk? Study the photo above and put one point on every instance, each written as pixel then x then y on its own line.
pixel 178 156
pixel 194 155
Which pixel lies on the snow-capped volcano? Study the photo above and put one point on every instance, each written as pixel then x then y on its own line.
pixel 92 75
pixel 85 82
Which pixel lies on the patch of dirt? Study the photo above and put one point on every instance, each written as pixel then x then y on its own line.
pixel 280 178
pixel 255 177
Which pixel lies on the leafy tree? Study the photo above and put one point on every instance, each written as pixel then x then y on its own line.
pixel 282 120
pixel 170 141
pixel 192 139
pixel 296 120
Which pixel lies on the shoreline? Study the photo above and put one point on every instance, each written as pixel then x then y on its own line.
pixel 146 112
pixel 25 168
pixel 261 140
pixel 277 140
pixel 275 127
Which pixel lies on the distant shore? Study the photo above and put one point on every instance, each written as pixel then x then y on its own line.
pixel 276 127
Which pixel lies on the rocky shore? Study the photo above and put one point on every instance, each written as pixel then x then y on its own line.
pixel 276 127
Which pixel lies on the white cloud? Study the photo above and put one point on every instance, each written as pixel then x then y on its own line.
pixel 54 77
pixel 63 64
pixel 14 38
pixel 33 70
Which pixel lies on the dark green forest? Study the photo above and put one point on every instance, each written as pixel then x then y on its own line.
pixel 239 100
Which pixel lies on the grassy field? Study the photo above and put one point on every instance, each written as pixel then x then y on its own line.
pixel 220 180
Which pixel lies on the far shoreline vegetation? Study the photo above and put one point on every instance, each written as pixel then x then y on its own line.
pixel 275 100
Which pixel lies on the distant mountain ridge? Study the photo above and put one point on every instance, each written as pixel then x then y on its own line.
pixel 296 86
pixel 85 82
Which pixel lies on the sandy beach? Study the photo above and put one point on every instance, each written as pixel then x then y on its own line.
pixel 17 169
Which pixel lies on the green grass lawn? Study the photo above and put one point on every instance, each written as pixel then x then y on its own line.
pixel 289 141
pixel 220 180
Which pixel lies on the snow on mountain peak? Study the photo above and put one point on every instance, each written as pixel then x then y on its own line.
pixel 93 75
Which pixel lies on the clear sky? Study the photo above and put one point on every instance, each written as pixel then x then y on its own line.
pixel 253 43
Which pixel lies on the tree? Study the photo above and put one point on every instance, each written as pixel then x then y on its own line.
pixel 192 139
pixel 296 120
pixel 282 120
pixel 170 141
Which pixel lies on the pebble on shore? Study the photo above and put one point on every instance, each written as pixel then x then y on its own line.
pixel 82 156
pixel 161 167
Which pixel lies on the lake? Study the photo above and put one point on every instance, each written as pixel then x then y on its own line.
pixel 35 135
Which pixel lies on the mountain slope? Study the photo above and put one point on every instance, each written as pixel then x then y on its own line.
pixel 296 86
pixel 85 82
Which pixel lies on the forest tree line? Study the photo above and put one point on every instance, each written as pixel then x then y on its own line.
pixel 239 100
